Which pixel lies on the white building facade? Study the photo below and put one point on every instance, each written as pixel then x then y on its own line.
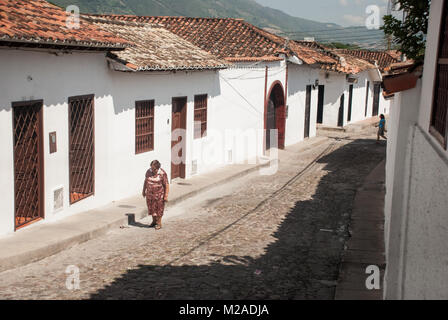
pixel 351 98
pixel 417 180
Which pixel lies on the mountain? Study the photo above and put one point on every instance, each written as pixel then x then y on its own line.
pixel 270 19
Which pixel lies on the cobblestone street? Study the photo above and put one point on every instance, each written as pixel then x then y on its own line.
pixel 260 237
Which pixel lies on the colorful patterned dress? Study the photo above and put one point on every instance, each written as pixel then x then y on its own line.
pixel 155 192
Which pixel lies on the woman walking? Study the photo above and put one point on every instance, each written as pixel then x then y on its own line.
pixel 156 189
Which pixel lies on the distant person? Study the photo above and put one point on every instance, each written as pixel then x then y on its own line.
pixel 381 128
pixel 156 189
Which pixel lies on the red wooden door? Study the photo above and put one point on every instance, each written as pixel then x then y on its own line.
pixel 28 163
pixel 178 145
pixel 280 115
pixel 270 122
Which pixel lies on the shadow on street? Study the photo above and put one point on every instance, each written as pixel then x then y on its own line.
pixel 303 263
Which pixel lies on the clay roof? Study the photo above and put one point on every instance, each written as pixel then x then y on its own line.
pixel 226 38
pixel 351 64
pixel 401 76
pixel 382 58
pixel 39 23
pixel 400 67
pixel 156 48
pixel 312 52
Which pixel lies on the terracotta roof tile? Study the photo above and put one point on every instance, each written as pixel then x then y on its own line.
pixel 37 22
pixel 156 48
pixel 227 38
pixel 382 58
pixel 313 53
pixel 353 65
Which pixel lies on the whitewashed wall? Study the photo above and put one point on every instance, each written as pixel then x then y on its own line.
pixel 299 77
pixel 160 87
pixel 417 231
pixel 236 116
pixel 402 118
pixel 236 104
pixel 119 173
pixel 336 85
pixel 54 79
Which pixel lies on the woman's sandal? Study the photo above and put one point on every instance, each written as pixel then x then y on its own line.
pixel 158 227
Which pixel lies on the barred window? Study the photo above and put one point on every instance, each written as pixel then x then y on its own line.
pixel 200 116
pixel 144 126
pixel 440 106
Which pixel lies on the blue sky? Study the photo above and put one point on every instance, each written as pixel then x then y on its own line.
pixel 343 12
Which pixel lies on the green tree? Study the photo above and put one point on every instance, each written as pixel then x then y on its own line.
pixel 410 34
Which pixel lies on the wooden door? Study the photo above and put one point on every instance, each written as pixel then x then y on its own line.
pixel 320 105
pixel 179 144
pixel 280 120
pixel 350 103
pixel 82 147
pixel 341 112
pixel 376 99
pixel 270 122
pixel 28 163
pixel 308 111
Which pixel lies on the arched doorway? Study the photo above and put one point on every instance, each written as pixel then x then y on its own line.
pixel 275 115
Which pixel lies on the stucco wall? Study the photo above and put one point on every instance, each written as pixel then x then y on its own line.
pixel 425 264
pixel 335 86
pixel 36 75
pixel 127 88
pixel 299 77
pixel 402 117
pixel 236 104
pixel 417 198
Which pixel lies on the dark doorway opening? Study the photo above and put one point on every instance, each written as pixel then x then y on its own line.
pixel 178 141
pixel 320 104
pixel 28 163
pixel 82 147
pixel 350 103
pixel 308 111
pixel 367 97
pixel 376 99
pixel 341 111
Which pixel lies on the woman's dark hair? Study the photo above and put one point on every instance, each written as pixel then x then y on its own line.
pixel 382 116
pixel 156 163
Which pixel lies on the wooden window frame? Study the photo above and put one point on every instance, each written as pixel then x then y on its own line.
pixel 443 140
pixel 199 108
pixel 139 148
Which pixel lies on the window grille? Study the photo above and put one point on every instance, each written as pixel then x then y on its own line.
pixel 144 126
pixel 200 116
